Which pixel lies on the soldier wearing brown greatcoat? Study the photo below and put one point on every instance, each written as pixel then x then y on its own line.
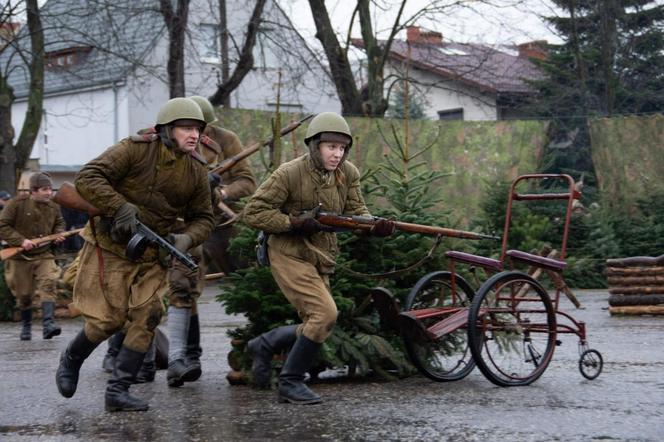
pixel 302 251
pixel 33 273
pixel 154 180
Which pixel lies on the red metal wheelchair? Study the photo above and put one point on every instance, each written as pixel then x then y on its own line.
pixel 509 327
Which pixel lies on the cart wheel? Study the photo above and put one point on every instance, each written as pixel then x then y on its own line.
pixel 447 358
pixel 590 364
pixel 512 329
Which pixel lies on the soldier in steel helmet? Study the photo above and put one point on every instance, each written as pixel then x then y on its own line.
pixel 33 273
pixel 153 179
pixel 216 144
pixel 302 251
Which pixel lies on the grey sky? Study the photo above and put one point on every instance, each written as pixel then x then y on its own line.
pixel 502 22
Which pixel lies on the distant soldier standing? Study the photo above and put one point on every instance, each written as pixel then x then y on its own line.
pixel 302 251
pixel 154 180
pixel 33 273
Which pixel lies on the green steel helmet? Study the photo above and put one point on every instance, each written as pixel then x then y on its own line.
pixel 206 107
pixel 328 122
pixel 179 109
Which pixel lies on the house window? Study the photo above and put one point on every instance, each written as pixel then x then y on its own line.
pixel 66 57
pixel 209 49
pixel 451 114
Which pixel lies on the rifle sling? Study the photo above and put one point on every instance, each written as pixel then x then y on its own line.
pixel 393 273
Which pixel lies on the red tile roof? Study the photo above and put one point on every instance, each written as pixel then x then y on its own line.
pixel 480 66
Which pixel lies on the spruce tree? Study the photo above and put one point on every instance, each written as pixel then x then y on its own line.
pixel 611 62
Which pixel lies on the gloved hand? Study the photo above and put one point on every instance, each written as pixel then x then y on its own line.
pixel 305 225
pixel 383 227
pixel 124 222
pixel 180 241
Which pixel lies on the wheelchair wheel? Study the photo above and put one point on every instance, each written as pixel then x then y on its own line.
pixel 590 364
pixel 447 358
pixel 512 329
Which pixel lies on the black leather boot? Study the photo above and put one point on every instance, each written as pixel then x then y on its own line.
pixel 127 364
pixel 291 379
pixel 66 377
pixel 26 324
pixel 148 367
pixel 262 349
pixel 194 350
pixel 50 327
pixel 114 345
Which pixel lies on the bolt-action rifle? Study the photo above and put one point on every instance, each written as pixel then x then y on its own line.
pixel 8 252
pixel 67 196
pixel 228 163
pixel 367 222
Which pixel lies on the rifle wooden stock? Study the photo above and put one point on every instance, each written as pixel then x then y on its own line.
pixel 8 252
pixel 67 196
pixel 366 223
pixel 228 163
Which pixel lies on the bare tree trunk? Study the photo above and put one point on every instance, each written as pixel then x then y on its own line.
pixel 342 75
pixel 176 23
pixel 225 61
pixel 608 13
pixel 246 61
pixel 14 157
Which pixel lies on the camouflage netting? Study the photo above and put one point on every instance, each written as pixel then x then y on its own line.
pixel 627 154
pixel 477 152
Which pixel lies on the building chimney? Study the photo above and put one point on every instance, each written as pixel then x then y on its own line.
pixel 416 36
pixel 534 49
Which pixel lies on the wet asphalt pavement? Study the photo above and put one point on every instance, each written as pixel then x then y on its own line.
pixel 625 403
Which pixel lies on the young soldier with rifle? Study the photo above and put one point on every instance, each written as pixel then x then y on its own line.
pixel 153 181
pixel 302 251
pixel 33 273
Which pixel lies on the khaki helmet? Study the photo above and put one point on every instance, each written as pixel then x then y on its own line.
pixel 180 109
pixel 328 122
pixel 206 107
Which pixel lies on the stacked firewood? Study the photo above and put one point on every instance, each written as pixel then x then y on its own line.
pixel 636 285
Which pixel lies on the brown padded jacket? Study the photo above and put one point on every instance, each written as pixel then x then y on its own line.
pixel 295 187
pixel 164 183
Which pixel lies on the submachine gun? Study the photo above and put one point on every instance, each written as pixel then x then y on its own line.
pixel 67 196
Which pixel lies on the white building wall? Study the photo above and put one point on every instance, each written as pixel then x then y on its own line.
pixel 76 127
pixel 443 95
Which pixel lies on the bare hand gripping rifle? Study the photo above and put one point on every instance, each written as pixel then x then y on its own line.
pixel 8 252
pixel 367 222
pixel 67 196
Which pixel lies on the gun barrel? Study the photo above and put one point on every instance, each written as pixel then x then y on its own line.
pixel 228 163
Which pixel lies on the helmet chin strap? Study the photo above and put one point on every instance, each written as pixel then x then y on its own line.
pixel 166 138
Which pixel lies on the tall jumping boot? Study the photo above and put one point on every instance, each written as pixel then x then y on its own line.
pixel 50 327
pixel 149 365
pixel 178 328
pixel 114 345
pixel 26 324
pixel 127 364
pixel 194 350
pixel 66 377
pixel 263 347
pixel 291 379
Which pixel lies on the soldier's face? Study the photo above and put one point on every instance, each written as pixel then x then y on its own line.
pixel 186 137
pixel 42 193
pixel 331 154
